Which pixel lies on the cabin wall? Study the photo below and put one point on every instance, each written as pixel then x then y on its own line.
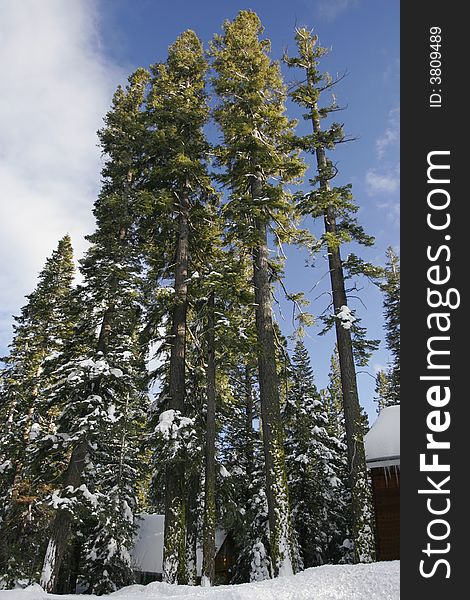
pixel 146 577
pixel 225 562
pixel 386 491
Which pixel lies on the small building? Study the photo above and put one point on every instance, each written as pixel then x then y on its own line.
pixel 382 445
pixel 147 554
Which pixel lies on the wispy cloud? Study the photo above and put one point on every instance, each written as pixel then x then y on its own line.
pixel 385 182
pixel 56 87
pixel 391 135
pixel 332 9
pixel 384 178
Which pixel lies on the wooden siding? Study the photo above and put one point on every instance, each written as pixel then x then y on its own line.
pixel 225 562
pixel 386 489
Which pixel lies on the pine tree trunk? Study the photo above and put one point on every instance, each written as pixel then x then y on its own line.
pixel 61 525
pixel 174 555
pixel 249 414
pixel 361 499
pixel 192 527
pixel 208 561
pixel 60 533
pixel 74 566
pixel 273 434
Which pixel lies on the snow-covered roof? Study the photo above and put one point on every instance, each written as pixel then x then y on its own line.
pixel 382 442
pixel 147 554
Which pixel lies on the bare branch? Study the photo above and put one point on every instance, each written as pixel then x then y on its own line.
pixel 333 82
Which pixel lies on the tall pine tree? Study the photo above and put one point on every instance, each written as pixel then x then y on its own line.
pixel 336 207
pixel 100 369
pixel 177 111
pixel 258 160
pixel 40 332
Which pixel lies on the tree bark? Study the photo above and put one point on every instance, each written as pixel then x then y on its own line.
pixel 249 414
pixel 174 555
pixel 62 522
pixel 74 566
pixel 361 501
pixel 192 495
pixel 273 434
pixel 208 550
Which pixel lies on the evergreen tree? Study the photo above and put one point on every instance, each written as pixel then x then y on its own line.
pixel 391 289
pixel 336 207
pixel 242 493
pixel 100 372
pixel 114 479
pixel 382 390
pixel 313 454
pixel 40 333
pixel 258 162
pixel 208 567
pixel 332 400
pixel 225 277
pixel 179 184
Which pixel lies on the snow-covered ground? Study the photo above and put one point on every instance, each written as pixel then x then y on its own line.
pixel 378 581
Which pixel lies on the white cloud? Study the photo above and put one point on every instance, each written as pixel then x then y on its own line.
pixel 331 9
pixel 385 182
pixel 385 177
pixel 391 136
pixel 56 87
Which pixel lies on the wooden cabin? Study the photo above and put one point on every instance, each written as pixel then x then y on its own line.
pixel 382 445
pixel 225 561
pixel 147 554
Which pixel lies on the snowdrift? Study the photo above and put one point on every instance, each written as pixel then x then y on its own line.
pixel 378 581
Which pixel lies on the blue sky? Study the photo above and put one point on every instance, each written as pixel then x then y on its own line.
pixel 60 63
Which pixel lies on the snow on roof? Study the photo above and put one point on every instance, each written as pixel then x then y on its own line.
pixel 147 554
pixel 382 442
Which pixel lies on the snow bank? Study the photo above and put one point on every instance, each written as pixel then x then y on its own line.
pixel 382 442
pixel 377 581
